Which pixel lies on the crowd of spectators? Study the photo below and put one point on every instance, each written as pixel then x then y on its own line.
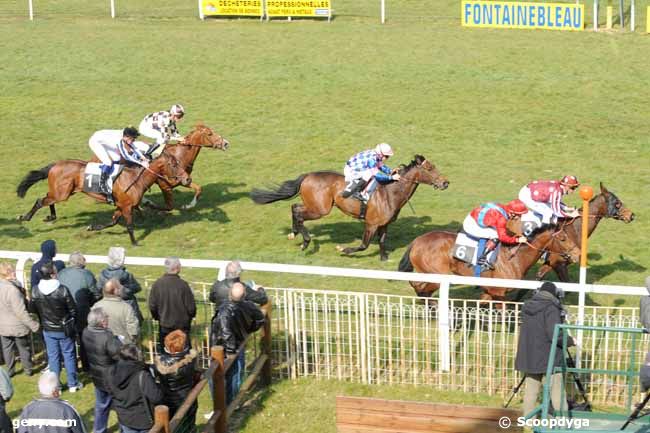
pixel 97 322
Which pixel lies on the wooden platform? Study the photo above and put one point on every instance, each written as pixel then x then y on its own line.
pixel 364 415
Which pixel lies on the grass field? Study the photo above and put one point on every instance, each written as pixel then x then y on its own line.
pixel 493 109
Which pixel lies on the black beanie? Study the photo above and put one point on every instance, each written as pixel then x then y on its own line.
pixel 547 286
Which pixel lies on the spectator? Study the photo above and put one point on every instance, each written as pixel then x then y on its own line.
pixel 644 314
pixel 103 349
pixel 82 285
pixel 121 318
pixel 116 269
pixel 15 321
pixel 50 409
pixel 540 314
pixel 235 319
pixel 56 309
pixel 171 301
pixel 176 370
pixel 48 250
pixel 134 391
pixel 644 374
pixel 6 392
pixel 221 289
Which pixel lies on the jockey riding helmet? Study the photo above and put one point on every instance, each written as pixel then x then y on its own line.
pixel 516 207
pixel 177 110
pixel 570 181
pixel 384 149
pixel 130 131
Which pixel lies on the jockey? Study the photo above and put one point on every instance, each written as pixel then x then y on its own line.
pixel 161 127
pixel 545 198
pixel 112 145
pixel 488 221
pixel 362 167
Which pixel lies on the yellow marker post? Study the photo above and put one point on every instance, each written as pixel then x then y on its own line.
pixel 647 19
pixel 610 17
pixel 586 193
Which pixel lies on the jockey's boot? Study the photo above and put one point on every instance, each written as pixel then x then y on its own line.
pixel 482 261
pixel 349 189
pixel 103 183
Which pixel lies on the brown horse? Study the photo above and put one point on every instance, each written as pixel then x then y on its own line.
pixel 186 152
pixel 431 253
pixel 66 178
pixel 321 190
pixel 604 205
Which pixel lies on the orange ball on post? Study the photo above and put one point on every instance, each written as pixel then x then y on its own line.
pixel 586 192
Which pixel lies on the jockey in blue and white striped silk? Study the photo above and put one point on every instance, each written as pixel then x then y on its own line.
pixel 363 167
pixel 161 127
pixel 112 145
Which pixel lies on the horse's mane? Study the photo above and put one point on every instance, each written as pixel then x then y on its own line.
pixel 417 160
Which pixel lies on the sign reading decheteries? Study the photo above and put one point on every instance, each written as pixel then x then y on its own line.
pixel 520 15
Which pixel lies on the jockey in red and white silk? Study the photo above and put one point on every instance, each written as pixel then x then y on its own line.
pixel 488 221
pixel 545 198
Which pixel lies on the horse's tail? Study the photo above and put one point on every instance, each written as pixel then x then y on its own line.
pixel 287 190
pixel 31 178
pixel 405 264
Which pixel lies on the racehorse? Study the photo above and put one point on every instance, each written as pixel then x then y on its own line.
pixel 66 178
pixel 604 205
pixel 186 152
pixel 431 253
pixel 321 190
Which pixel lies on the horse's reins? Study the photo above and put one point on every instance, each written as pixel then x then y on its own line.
pixel 543 250
pixel 159 176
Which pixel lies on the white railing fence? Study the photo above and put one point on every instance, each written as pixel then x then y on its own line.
pixel 445 321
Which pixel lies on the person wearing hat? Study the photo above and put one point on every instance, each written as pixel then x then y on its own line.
pixel 113 145
pixel 545 198
pixel 539 315
pixel 644 306
pixel 161 127
pixel 364 167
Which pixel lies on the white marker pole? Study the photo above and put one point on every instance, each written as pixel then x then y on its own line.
pixel 31 10
pixel 112 8
pixel 383 11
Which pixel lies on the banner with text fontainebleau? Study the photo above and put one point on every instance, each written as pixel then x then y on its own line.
pixel 522 15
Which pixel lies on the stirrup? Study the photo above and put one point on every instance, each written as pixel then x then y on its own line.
pixel 484 263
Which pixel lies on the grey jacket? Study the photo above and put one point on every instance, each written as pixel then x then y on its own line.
pixel 15 321
pixel 122 320
pixel 6 389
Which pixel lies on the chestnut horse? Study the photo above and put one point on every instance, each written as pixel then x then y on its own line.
pixel 66 178
pixel 604 205
pixel 320 191
pixel 431 253
pixel 186 153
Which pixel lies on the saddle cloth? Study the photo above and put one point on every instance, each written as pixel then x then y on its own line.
pixel 530 222
pixel 466 249
pixel 93 173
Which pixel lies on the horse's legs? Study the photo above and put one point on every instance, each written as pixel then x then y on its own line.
pixel 168 197
pixel 382 232
pixel 367 237
pixel 128 217
pixel 52 215
pixel 116 217
pixel 197 194
pixel 543 270
pixel 562 271
pixel 28 216
pixel 423 289
pixel 299 214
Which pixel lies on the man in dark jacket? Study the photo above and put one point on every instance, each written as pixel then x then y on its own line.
pixel 56 309
pixel 171 301
pixel 235 319
pixel 48 249
pixel 540 314
pixel 134 391
pixel 644 307
pixel 221 289
pixel 45 413
pixel 117 270
pixel 82 285
pixel 102 348
pixel 176 370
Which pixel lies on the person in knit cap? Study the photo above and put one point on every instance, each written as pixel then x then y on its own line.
pixel 539 315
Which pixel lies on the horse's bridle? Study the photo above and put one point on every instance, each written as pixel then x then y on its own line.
pixel 214 145
pixel 564 255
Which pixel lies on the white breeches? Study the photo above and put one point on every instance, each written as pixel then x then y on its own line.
pixel 536 206
pixel 107 153
pixel 146 130
pixel 351 175
pixel 472 228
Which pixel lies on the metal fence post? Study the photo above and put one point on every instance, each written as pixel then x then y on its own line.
pixel 443 325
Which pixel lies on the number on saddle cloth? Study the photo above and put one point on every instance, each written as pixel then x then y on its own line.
pixel 469 248
pixel 93 174
pixel 530 222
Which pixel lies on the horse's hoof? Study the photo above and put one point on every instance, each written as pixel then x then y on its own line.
pixel 20 218
pixel 383 258
pixel 49 219
pixel 90 228
pixel 339 248
pixel 291 236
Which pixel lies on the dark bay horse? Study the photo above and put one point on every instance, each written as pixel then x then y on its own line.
pixel 66 178
pixel 431 253
pixel 186 153
pixel 320 191
pixel 603 205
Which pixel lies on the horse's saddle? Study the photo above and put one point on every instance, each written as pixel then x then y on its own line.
pixel 93 173
pixel 468 249
pixel 530 223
